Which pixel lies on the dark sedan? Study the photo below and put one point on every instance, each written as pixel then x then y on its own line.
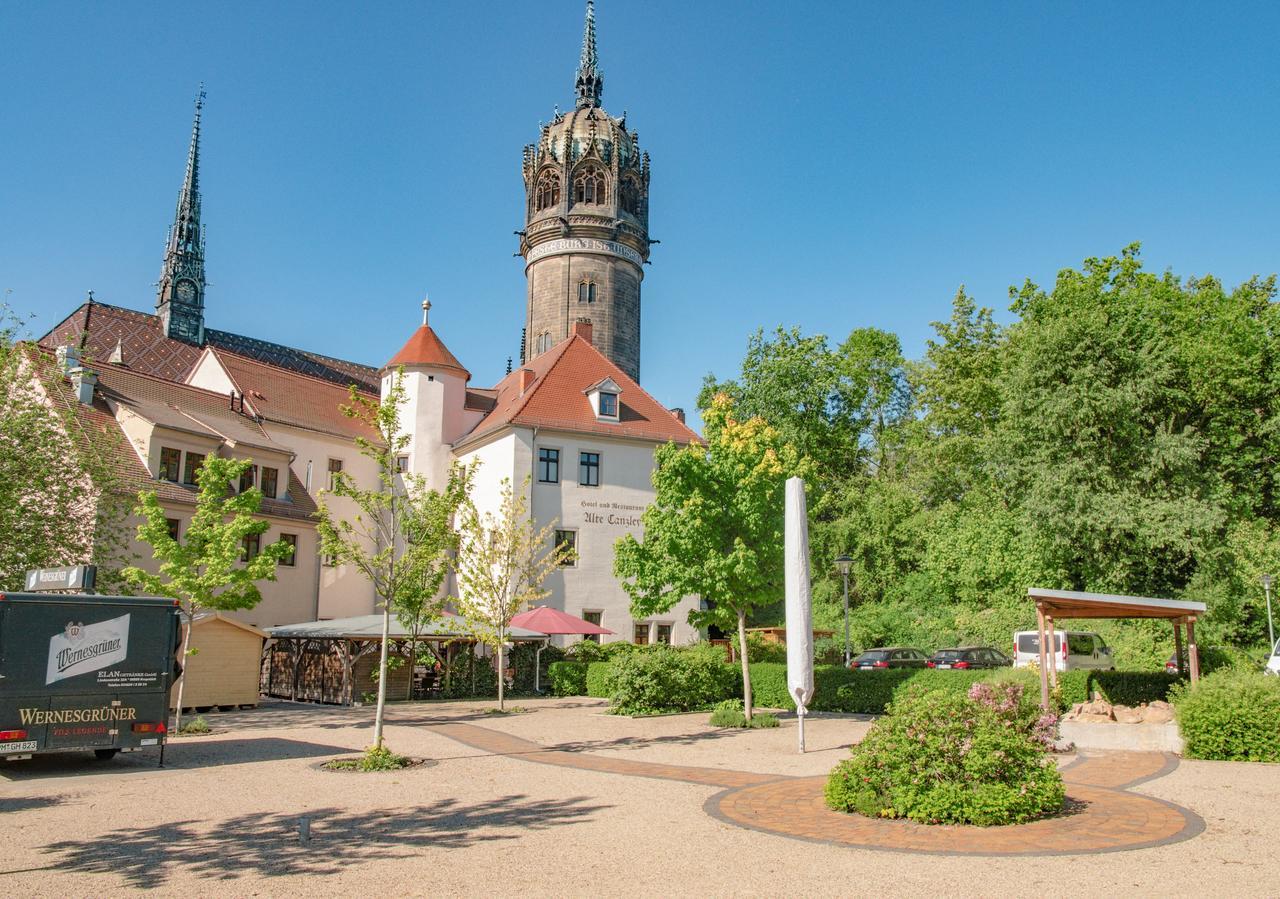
pixel 968 657
pixel 889 657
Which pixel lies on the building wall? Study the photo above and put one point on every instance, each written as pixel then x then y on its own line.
pixel 289 599
pixel 599 515
pixel 343 590
pixel 615 315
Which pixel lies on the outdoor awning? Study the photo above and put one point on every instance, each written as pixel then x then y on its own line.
pixel 369 627
pixel 553 621
pixel 1069 604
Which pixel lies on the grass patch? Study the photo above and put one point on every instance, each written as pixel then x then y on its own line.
pixel 730 713
pixel 195 726
pixel 513 710
pixel 373 759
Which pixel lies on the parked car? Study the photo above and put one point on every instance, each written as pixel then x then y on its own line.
pixel 889 657
pixel 1273 663
pixel 964 657
pixel 1211 659
pixel 1071 650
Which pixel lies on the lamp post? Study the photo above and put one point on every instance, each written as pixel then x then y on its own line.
pixel 1271 632
pixel 842 565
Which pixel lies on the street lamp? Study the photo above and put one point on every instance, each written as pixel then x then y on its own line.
pixel 842 565
pixel 1271 631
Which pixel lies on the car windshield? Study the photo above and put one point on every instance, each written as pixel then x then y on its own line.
pixel 949 654
pixel 1031 642
pixel 874 655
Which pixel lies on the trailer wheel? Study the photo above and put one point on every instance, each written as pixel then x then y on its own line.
pixel 105 755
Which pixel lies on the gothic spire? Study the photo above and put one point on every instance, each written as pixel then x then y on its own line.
pixel 590 82
pixel 180 302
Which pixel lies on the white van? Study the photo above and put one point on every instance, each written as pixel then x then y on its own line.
pixel 1072 650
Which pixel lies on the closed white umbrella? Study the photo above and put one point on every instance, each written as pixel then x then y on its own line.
pixel 799 607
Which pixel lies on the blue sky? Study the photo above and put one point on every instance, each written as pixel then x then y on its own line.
pixel 827 165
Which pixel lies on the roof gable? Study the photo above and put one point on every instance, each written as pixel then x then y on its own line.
pixel 557 398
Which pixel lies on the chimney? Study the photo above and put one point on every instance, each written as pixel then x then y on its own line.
pixel 582 327
pixel 679 414
pixel 526 378
pixel 83 380
pixel 68 358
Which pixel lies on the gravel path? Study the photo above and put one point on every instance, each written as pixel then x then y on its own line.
pixel 223 818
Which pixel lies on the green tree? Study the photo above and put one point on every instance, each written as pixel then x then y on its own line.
pixel 207 568
pixel 715 527
pixel 394 537
pixel 61 497
pixel 430 519
pixel 503 560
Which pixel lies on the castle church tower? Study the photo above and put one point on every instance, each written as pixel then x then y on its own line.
pixel 586 234
pixel 180 300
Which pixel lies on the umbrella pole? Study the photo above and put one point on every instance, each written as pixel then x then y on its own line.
pixel 537 666
pixel 800 717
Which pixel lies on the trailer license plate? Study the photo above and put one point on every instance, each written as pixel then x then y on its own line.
pixel 25 746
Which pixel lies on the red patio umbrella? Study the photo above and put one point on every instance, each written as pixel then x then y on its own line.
pixel 553 621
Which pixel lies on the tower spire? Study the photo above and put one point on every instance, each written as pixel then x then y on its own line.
pixel 590 82
pixel 180 301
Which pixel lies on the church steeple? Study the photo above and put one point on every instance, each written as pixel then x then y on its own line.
pixel 590 82
pixel 180 301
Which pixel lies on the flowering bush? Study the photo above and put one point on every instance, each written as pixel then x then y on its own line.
pixel 941 757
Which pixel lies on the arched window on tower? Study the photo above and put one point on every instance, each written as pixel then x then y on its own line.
pixel 588 186
pixel 586 291
pixel 548 192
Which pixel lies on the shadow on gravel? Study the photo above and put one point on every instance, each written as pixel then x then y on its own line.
pixel 183 752
pixel 21 804
pixel 270 844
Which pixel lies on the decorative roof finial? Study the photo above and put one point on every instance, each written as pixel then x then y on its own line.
pixel 426 307
pixel 589 83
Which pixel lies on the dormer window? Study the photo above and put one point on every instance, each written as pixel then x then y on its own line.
pixel 604 399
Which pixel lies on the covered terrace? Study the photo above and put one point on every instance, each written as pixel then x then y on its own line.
pixel 1056 605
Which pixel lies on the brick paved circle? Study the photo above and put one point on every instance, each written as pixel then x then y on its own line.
pixel 1106 815
pixel 1109 820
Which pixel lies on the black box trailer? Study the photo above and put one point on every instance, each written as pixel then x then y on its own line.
pixel 85 673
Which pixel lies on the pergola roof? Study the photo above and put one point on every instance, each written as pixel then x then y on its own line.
pixel 1069 604
pixel 369 627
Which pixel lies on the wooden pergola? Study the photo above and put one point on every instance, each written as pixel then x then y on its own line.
pixel 1055 605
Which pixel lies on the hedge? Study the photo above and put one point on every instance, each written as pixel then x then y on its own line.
pixel 567 678
pixel 1129 688
pixel 839 689
pixel 597 682
pixel 1230 716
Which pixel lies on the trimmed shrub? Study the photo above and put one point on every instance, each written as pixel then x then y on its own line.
pixel 945 757
pixel 669 680
pixel 1118 687
pixel 1230 716
pixel 567 678
pixel 598 677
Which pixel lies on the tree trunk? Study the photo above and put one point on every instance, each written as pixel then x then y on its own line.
pixel 382 677
pixel 182 679
pixel 746 671
pixel 501 674
pixel 413 662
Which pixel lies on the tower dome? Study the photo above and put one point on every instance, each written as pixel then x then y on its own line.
pixel 586 235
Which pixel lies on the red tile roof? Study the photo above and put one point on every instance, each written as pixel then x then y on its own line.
pixel 145 347
pixel 290 398
pixel 425 348
pixel 557 399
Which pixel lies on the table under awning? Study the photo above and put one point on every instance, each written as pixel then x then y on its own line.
pixel 1055 605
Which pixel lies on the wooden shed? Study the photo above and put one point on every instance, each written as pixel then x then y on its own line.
pixel 224 670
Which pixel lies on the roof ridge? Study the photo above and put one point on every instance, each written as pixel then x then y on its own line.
pixel 112 366
pixel 291 371
pixel 271 343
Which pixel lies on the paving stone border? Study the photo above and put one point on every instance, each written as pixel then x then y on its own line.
pixel 1104 814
